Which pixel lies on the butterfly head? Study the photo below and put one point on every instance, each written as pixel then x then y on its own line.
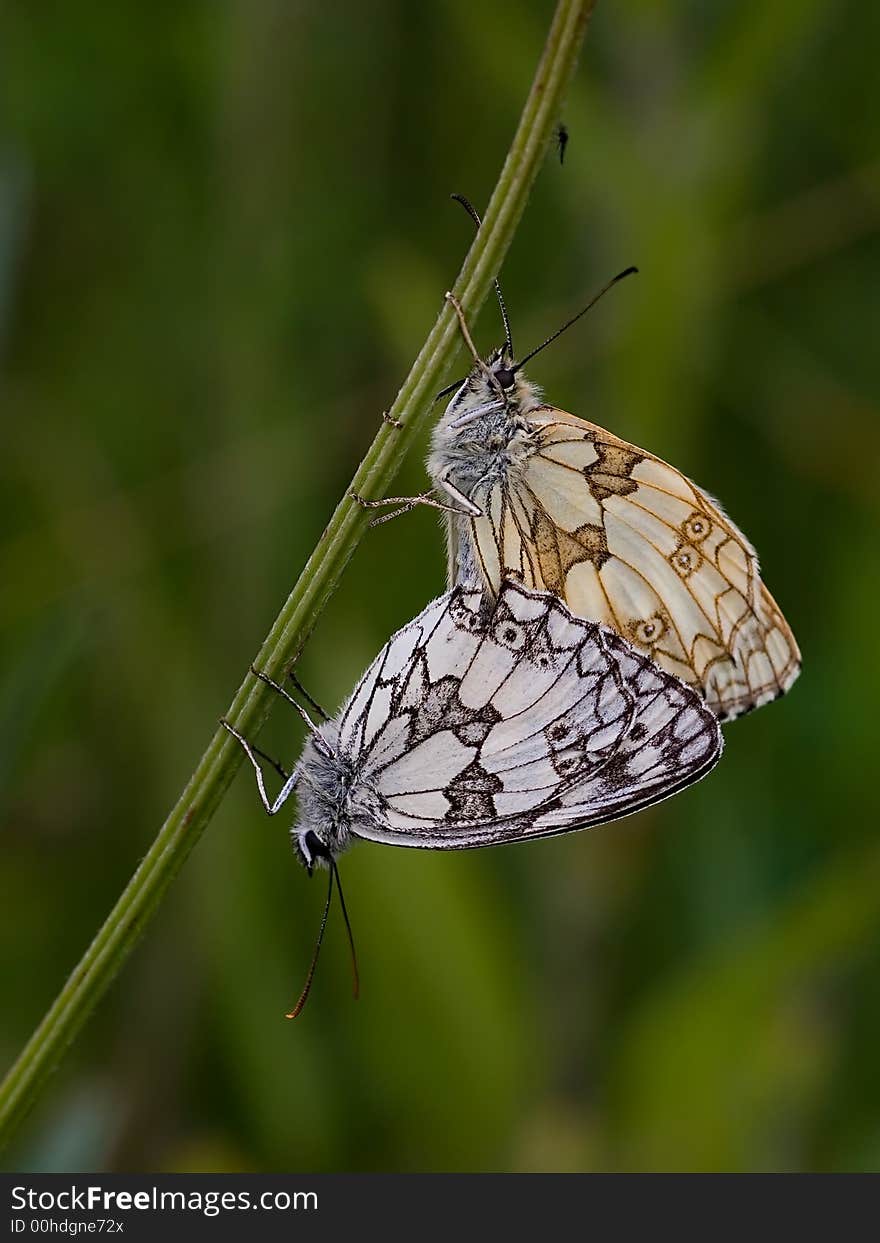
pixel 502 368
pixel 495 386
pixel 311 851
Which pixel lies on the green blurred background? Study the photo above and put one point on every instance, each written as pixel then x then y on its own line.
pixel 224 233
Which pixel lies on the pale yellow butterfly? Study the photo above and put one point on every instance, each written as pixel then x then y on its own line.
pixel 533 493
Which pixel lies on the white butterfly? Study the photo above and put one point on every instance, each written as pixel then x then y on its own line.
pixel 558 503
pixel 477 727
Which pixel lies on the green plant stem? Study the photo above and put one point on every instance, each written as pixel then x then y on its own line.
pixel 184 826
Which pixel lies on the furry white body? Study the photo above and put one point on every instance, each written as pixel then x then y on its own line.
pixel 476 452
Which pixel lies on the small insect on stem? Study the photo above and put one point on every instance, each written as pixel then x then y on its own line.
pixel 561 141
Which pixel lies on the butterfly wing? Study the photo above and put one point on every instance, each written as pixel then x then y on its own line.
pixel 499 725
pixel 673 742
pixel 626 539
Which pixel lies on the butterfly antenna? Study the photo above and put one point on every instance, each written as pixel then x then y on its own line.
pixel 307 987
pixel 574 319
pixel 356 980
pixel 475 216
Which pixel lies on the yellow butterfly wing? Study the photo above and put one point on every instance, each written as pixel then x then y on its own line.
pixel 627 540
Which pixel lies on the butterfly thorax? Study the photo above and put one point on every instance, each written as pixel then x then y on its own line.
pixel 333 796
pixel 485 435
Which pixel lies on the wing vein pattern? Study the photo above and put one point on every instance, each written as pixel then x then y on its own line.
pixel 480 724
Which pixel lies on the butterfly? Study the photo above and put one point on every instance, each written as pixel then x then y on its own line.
pixel 533 493
pixel 479 726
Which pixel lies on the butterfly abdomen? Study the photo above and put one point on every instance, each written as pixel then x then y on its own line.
pixel 477 459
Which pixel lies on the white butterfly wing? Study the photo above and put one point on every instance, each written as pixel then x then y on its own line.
pixel 628 541
pixel 398 673
pixel 497 722
pixel 672 743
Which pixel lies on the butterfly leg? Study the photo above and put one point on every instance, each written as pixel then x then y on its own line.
pixel 463 504
pixel 279 768
pixel 395 513
pixel 406 503
pixel 252 752
pixel 469 341
pixel 386 418
pixel 279 690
